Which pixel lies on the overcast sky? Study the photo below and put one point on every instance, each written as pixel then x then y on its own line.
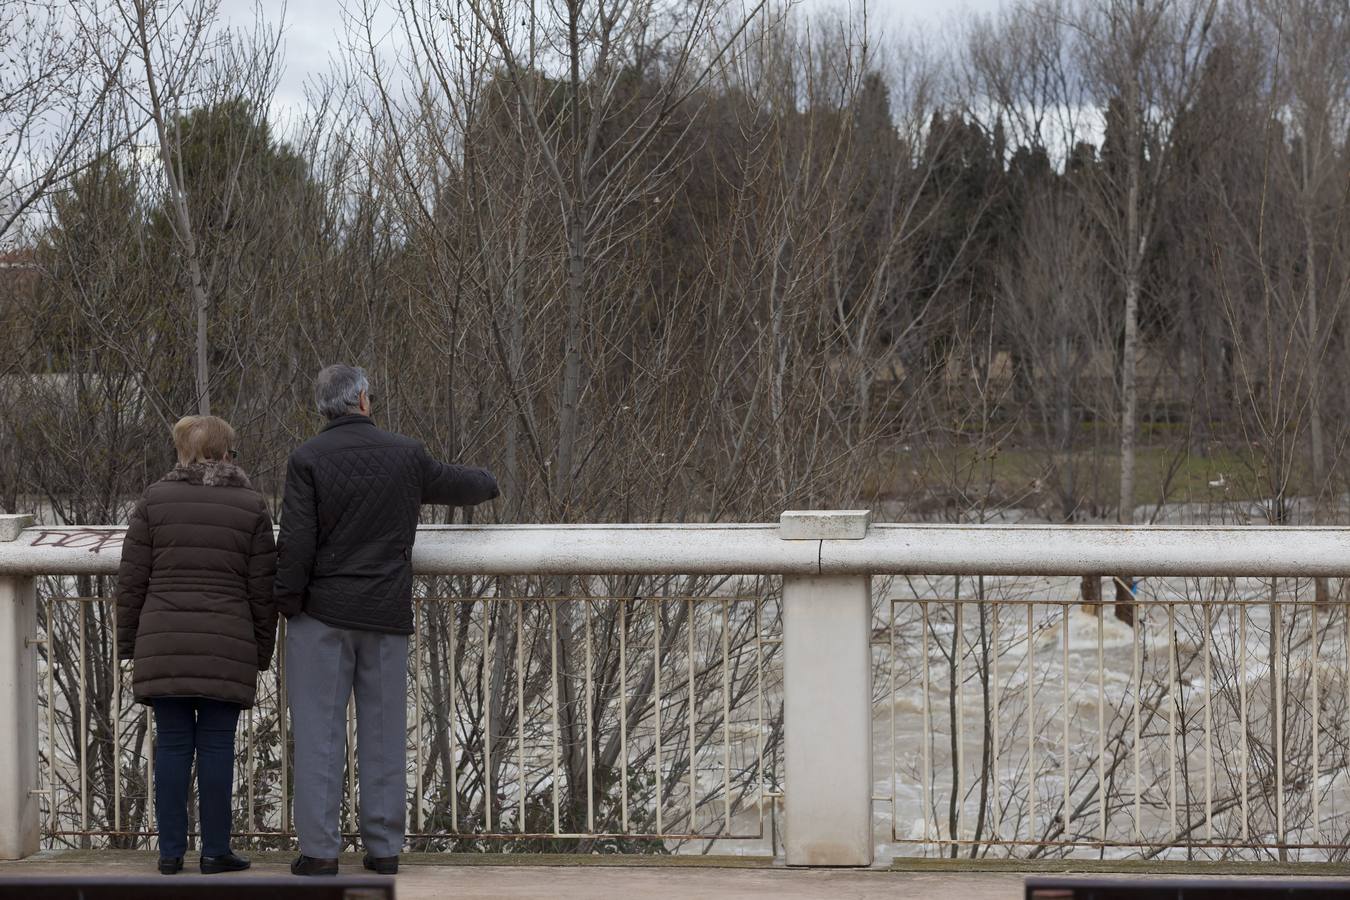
pixel 312 28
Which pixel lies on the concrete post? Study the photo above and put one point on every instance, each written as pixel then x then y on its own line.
pixel 827 686
pixel 18 707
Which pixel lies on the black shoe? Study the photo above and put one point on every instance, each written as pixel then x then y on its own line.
pixel 309 865
pixel 170 865
pixel 381 865
pixel 212 865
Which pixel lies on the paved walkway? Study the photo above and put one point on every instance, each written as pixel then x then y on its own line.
pixel 422 878
pixel 424 882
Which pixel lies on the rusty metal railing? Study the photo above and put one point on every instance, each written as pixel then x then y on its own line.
pixel 1018 723
pixel 685 717
pixel 1216 725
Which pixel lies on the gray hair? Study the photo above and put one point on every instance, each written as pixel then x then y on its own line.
pixel 337 390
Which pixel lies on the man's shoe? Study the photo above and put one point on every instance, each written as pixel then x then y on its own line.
pixel 381 865
pixel 170 865
pixel 212 865
pixel 309 865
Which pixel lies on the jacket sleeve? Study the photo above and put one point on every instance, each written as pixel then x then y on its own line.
pixel 133 577
pixel 454 485
pixel 299 540
pixel 262 571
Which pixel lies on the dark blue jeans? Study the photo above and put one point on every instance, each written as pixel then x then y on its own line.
pixel 184 726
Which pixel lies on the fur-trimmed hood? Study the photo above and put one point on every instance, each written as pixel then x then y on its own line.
pixel 212 474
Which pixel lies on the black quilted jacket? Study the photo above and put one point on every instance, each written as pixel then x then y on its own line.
pixel 349 519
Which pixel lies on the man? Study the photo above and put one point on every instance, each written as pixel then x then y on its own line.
pixel 344 582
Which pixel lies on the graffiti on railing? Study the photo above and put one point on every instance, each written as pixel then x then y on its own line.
pixel 92 539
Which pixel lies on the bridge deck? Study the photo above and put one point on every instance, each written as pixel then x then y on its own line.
pixel 434 876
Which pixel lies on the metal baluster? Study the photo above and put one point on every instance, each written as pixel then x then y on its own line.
pixel 958 636
pixel 1031 720
pixel 116 678
pixel 623 710
pixel 1101 722
pixel 726 717
pixel 759 707
pixel 590 717
pixel 520 708
pixel 693 722
pixel 51 724
pixel 1316 730
pixel 1277 716
pixel 419 759
pixel 84 717
pixel 891 703
pixel 660 794
pixel 927 724
pixel 1209 726
pixel 453 723
pixel 1242 713
pixel 996 777
pixel 1138 676
pixel 1064 762
pixel 488 644
pixel 1174 701
pixel 553 682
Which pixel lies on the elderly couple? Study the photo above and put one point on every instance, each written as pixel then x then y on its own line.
pixel 199 589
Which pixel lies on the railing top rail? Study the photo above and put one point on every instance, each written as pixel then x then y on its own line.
pixel 755 549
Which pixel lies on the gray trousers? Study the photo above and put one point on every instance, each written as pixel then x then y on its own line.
pixel 324 665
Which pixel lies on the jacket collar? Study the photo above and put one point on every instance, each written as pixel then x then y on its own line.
pixel 213 474
pixel 353 419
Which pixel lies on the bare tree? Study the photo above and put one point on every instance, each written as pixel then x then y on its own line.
pixel 1312 72
pixel 57 71
pixel 1144 61
pixel 186 59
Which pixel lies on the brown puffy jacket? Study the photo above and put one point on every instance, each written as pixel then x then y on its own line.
pixel 194 591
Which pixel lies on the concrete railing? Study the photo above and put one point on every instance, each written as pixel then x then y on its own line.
pixel 802 544
pixel 826 560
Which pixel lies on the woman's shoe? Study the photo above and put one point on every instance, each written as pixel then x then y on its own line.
pixel 212 865
pixel 309 865
pixel 170 865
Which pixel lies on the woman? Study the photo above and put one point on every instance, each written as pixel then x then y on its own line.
pixel 195 612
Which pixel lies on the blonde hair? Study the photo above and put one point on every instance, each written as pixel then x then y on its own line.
pixel 202 439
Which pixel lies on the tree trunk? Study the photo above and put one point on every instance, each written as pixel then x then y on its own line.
pixel 1317 440
pixel 778 366
pixel 571 386
pixel 1129 392
pixel 515 354
pixel 203 371
pixel 1063 395
pixel 1134 251
pixel 182 220
pixel 1315 432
